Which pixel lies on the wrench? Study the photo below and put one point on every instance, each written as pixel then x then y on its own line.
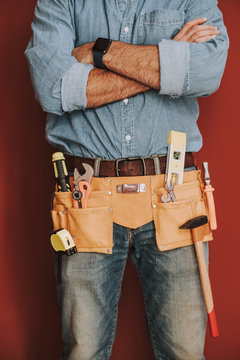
pixel 171 195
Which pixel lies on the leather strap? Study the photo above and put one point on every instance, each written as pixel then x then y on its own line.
pixel 98 59
pixel 124 167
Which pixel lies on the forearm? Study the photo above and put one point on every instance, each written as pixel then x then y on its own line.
pixel 105 87
pixel 133 69
pixel 140 63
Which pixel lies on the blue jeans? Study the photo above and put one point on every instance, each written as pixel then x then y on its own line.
pixel 90 289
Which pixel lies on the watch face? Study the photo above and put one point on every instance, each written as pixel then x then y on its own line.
pixel 102 45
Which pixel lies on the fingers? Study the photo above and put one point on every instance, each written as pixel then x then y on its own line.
pixel 204 39
pixel 189 25
pixel 203 33
pixel 196 21
pixel 205 27
pixel 200 31
pixel 196 29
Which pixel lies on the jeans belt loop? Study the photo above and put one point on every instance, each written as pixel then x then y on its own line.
pixel 144 166
pixel 116 166
pixel 97 162
pixel 157 167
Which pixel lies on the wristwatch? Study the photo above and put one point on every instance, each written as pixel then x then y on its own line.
pixel 99 49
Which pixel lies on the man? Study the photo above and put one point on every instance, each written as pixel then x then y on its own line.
pixel 114 101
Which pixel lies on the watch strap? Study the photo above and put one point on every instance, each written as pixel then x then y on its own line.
pixel 98 59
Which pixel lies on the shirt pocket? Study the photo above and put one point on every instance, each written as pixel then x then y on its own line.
pixel 159 24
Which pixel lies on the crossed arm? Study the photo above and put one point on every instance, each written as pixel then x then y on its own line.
pixel 133 69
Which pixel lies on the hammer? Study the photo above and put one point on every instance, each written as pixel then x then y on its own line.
pixel 199 227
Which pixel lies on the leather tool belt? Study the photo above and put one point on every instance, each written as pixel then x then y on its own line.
pixel 131 202
pixel 138 166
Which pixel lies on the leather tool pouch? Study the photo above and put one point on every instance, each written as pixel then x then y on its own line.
pixel 91 228
pixel 191 202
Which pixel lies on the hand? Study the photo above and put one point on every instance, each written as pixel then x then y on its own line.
pixel 83 53
pixel 194 31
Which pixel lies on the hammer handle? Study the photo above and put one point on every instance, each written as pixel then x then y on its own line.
pixel 206 286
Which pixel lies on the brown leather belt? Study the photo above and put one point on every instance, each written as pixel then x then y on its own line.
pixel 138 166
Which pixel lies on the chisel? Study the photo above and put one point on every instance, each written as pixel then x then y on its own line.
pixel 208 189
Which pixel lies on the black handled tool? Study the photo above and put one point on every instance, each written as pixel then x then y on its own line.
pixel 60 172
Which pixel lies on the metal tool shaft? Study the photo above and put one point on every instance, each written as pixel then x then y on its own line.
pixel 208 189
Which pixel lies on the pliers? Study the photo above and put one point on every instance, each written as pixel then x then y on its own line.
pixel 82 186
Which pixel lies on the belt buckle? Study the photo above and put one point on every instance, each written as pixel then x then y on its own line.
pixel 130 159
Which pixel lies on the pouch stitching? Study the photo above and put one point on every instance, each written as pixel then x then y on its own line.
pixel 182 243
pixel 175 204
pixel 170 245
pixel 87 210
pixel 55 216
pixel 185 186
pixel 160 243
pixel 108 233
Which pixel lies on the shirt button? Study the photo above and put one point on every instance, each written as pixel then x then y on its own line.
pixel 126 29
pixel 128 137
pixel 125 101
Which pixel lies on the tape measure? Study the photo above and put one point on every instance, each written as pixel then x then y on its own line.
pixel 62 240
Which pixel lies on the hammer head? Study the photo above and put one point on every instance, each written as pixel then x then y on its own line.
pixel 195 222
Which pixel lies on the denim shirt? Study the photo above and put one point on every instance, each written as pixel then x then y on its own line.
pixel 137 126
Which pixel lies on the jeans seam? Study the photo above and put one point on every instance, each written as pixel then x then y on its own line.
pixel 149 322
pixel 147 314
pixel 115 315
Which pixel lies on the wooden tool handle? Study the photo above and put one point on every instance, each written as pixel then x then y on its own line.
pixel 206 286
pixel 211 206
pixel 213 323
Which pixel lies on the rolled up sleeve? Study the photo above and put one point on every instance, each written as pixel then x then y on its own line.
pixel 174 66
pixel 190 69
pixel 74 84
pixel 58 79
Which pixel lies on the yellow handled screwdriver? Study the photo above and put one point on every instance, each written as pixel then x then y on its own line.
pixel 60 172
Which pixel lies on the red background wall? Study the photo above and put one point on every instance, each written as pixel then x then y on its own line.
pixel 29 316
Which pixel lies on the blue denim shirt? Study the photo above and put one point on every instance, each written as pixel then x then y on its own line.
pixel 137 126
